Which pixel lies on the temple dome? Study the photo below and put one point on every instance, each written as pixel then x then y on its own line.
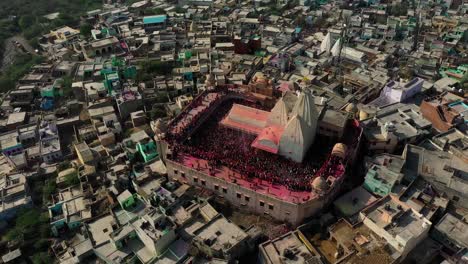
pixel 351 108
pixel 339 150
pixel 319 184
pixel 363 115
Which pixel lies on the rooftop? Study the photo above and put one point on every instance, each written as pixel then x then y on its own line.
pixel 454 228
pixel 354 201
pixel 396 218
pixel 154 19
pixel 221 234
pixel 289 248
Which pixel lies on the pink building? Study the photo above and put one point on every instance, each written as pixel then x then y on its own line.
pixel 235 155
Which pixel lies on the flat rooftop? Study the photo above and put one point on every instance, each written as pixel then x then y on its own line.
pixel 454 228
pixel 274 250
pixel 226 234
pixel 354 201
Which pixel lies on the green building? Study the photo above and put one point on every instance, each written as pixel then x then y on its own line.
pixel 147 150
pixel 126 200
pixel 142 144
pixel 384 174
pixel 54 90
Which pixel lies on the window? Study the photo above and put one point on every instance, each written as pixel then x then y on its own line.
pixel 238 195
pixel 175 172
pixel 247 198
pixel 262 203
pixel 224 190
pixel 203 182
pixel 182 174
pixel 216 187
pixel 195 179
pixel 270 206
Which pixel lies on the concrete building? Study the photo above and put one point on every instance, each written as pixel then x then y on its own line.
pixel 14 192
pixel 384 174
pixel 220 238
pixel 63 35
pixel 397 92
pixel 128 102
pixel 152 23
pixel 395 126
pixel 402 227
pixel 454 141
pixel 444 171
pixel 451 232
pixel 292 247
pixel 101 47
pixel 445 111
pixel 49 140
pixel 350 204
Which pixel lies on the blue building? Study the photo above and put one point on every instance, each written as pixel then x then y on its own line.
pixel 152 23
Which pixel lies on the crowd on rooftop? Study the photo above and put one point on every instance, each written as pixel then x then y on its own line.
pixel 222 146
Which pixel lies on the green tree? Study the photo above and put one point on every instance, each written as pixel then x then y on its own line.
pixel 26 21
pixel 67 86
pixel 48 189
pixel 157 113
pixel 72 179
pixel 41 258
pixel 85 29
pixel 179 9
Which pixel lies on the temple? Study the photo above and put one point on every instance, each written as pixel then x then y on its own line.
pixel 287 130
pixel 264 160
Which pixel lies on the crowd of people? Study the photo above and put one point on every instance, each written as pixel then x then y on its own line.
pixel 222 146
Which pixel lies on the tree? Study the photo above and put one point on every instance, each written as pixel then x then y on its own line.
pixel 26 21
pixel 85 29
pixel 67 86
pixel 179 10
pixel 72 179
pixel 48 189
pixel 41 258
pixel 406 72
pixel 157 113
pixel 154 11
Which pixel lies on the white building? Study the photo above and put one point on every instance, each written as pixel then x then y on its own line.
pixel 400 225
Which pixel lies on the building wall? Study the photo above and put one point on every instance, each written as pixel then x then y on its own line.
pixel 282 210
pixel 431 113
pixel 397 242
pixel 52 157
pixel 383 146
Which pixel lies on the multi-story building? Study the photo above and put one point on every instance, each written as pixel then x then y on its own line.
pixel 401 226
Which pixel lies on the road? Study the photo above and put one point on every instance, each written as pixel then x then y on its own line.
pixel 11 50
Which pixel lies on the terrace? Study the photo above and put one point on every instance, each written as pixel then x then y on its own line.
pixel 227 154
